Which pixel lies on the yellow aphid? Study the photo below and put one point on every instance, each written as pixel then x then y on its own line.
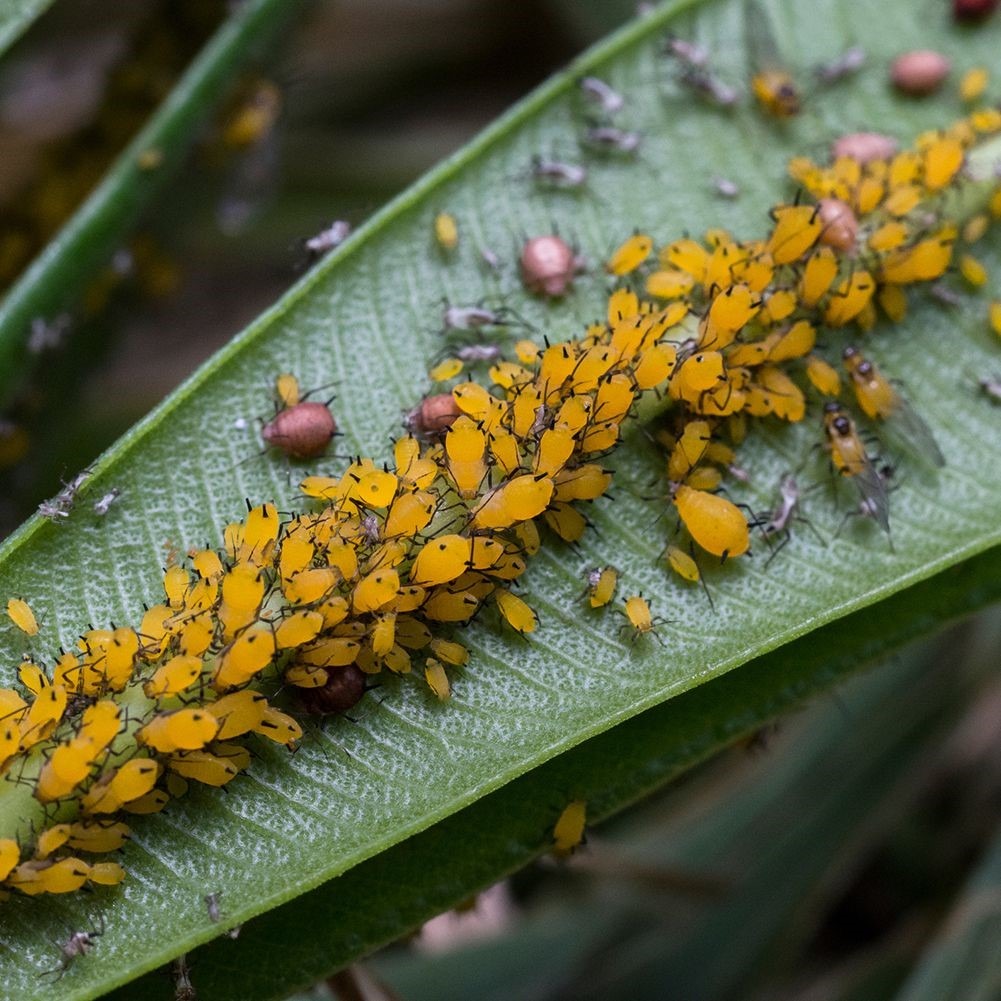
pixel 942 161
pixel 287 390
pixel 823 376
pixel 638 616
pixel 527 352
pixel 776 92
pixel 43 715
pixel 384 634
pixel 309 586
pixel 446 231
pixel 924 261
pixel 207 564
pixel 630 255
pixel 893 301
pixel 797 229
pixel 247 655
pixel 994 314
pixel 135 778
pixel 683 564
pixel 973 83
pixel 519 499
pixel 972 270
pixel 238 713
pixel 32 677
pixel 795 342
pixel 715 523
pixel 243 588
pixel 52 839
pixel 106 873
pixel 335 651
pixel 437 679
pixel 64 876
pixel 441 560
pixel 66 768
pixel 849 298
pixel 260 533
pixel 450 652
pixel 10 855
pixel 375 591
pixel 184 730
pixel 669 284
pixel 704 478
pixel 445 370
pixel 175 584
pixel 568 831
pixel 465 446
pixel 554 451
pixel 517 613
pixel 976 227
pixel 818 276
pixel 196 635
pixel 100 724
pixel 306 676
pixel 601 585
pixel 22 616
pixel 689 449
pixel 586 482
pixel 98 835
pixel 279 727
pixel 205 767
pixel 297 629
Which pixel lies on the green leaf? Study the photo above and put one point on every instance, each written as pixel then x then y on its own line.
pixel 365 319
pixel 57 277
pixel 964 960
pixel 16 16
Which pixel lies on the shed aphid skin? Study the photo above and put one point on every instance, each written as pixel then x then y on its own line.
pixel 990 386
pixel 600 97
pixel 775 526
pixel 72 948
pixel 61 505
pixel 610 139
pixel 694 74
pixel 568 831
pixel 327 239
pixel 558 174
pixel 845 65
pixel 725 188
pixel 476 318
pixel 103 504
pixel 446 231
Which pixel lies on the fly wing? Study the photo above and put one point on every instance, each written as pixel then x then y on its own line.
pixel 914 433
pixel 872 488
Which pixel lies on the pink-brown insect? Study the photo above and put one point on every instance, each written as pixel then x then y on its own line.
pixel 840 225
pixel 432 415
pixel 919 72
pixel 344 689
pixel 549 265
pixel 865 147
pixel 302 431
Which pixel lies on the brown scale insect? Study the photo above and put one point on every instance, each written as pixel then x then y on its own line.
pixel 302 431
pixel 345 688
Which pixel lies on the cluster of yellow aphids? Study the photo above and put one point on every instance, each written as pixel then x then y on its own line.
pixel 757 307
pixel 391 560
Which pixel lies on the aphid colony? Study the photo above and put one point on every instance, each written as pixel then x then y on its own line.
pixel 393 559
